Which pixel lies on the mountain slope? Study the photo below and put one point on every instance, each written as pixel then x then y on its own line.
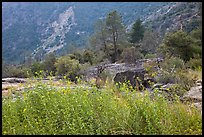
pixel 31 28
pixel 176 16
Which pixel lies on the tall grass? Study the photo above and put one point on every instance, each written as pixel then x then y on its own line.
pixel 45 110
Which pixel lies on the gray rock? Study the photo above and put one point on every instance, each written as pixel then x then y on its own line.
pixel 130 76
pixel 199 82
pixel 113 69
pixel 14 80
pixel 157 85
pixel 194 94
pixel 198 105
pixel 168 85
pixel 122 72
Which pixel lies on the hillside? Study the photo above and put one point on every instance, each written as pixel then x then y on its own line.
pixel 102 68
pixel 34 29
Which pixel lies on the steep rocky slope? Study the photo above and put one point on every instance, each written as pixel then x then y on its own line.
pixel 179 15
pixel 35 29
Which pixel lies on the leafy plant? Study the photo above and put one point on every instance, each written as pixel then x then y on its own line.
pixel 67 67
pixel 194 63
pixel 46 110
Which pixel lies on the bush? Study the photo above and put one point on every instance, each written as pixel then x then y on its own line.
pixel 36 68
pixel 181 44
pixel 194 63
pixel 177 89
pixel 67 67
pixel 172 64
pixel 130 55
pixel 184 79
pixel 165 77
pixel 16 71
pixel 173 70
pixel 48 64
pixel 88 56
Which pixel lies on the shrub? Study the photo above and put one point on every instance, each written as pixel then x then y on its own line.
pixel 173 70
pixel 36 67
pixel 181 44
pixel 48 64
pixel 88 56
pixel 172 64
pixel 67 67
pixel 194 63
pixel 177 89
pixel 184 79
pixel 130 55
pixel 16 71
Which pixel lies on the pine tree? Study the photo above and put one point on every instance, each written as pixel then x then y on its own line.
pixel 116 31
pixel 137 33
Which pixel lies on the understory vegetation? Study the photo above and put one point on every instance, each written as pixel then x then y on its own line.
pixel 110 110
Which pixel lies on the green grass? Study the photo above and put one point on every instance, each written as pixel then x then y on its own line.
pixel 44 110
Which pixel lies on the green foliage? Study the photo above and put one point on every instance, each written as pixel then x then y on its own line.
pixel 19 71
pixel 100 56
pixel 116 31
pixel 36 67
pixel 84 67
pixel 77 55
pixel 67 67
pixel 148 56
pixel 167 71
pixel 166 77
pixel 180 77
pixel 196 46
pixel 87 111
pixel 172 70
pixel 88 56
pixel 179 43
pixel 109 36
pixel 172 64
pixel 131 55
pixel 137 33
pixel 150 42
pixel 177 90
pixel 48 63
pixel 184 79
pixel 83 56
pixel 99 39
pixel 183 45
pixel 194 63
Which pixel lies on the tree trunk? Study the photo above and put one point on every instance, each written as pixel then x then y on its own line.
pixel 115 47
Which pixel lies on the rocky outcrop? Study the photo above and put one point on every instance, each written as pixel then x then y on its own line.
pixel 194 95
pixel 13 80
pixel 112 69
pixel 134 77
pixel 119 72
pixel 123 72
pixel 60 27
pixel 164 90
pixel 173 16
